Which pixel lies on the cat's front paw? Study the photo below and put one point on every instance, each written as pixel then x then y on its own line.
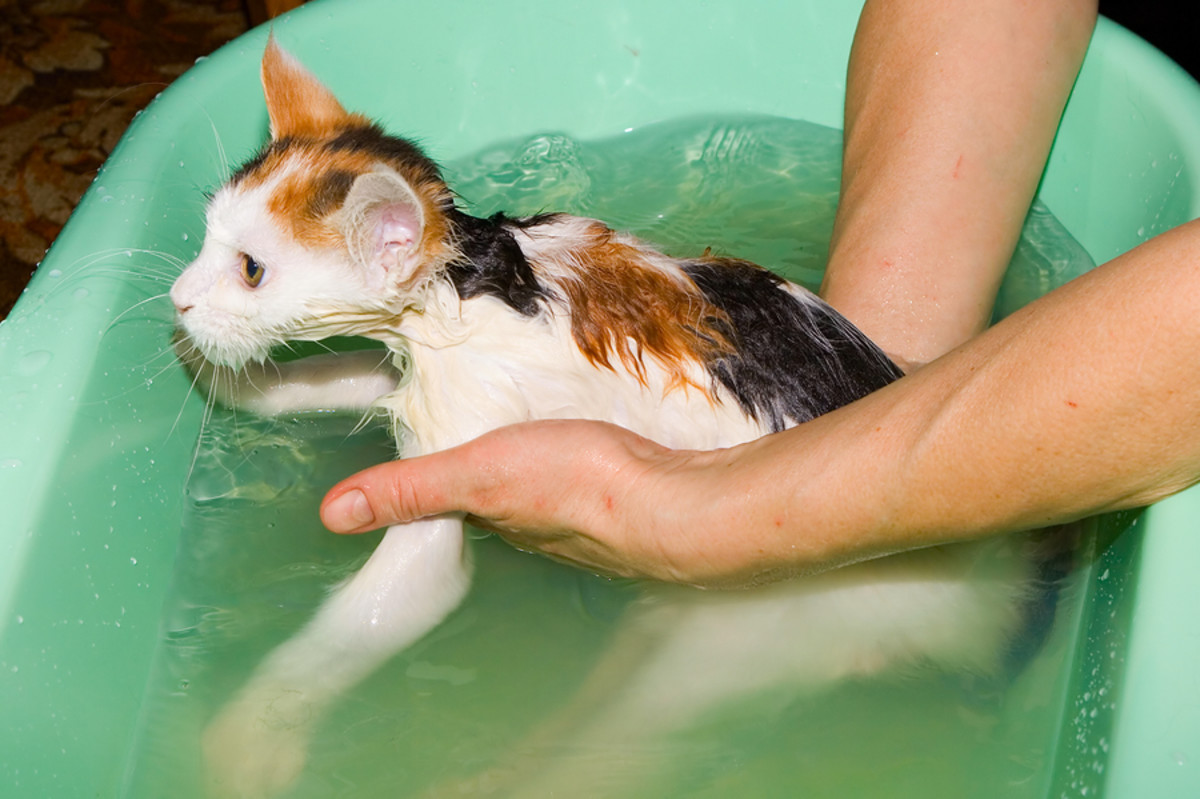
pixel 256 747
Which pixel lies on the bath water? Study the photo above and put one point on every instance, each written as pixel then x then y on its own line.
pixel 253 560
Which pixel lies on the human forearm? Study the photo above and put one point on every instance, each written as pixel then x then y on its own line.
pixel 950 112
pixel 1086 401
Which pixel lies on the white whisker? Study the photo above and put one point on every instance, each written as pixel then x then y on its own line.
pixel 133 308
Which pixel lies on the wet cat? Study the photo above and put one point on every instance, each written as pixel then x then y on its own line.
pixel 336 228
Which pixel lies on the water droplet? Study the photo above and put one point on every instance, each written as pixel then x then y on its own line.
pixel 55 273
pixel 133 561
pixel 34 362
pixel 20 619
pixel 11 463
pixel 81 293
pixel 185 237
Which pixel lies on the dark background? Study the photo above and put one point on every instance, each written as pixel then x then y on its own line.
pixel 73 74
pixel 1167 26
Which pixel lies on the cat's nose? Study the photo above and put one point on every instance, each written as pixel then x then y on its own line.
pixel 181 296
pixel 179 300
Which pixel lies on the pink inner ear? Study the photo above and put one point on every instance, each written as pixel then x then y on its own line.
pixel 397 233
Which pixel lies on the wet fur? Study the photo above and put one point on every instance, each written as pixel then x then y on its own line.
pixel 500 320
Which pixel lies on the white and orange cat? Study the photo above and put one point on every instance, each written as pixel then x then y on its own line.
pixel 336 228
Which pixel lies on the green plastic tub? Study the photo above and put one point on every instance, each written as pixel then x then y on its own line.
pixel 98 427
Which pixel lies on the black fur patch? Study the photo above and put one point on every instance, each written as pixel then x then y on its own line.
pixel 793 360
pixel 1055 550
pixel 403 154
pixel 329 192
pixel 493 263
pixel 257 160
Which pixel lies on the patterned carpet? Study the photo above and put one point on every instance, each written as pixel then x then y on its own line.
pixel 72 75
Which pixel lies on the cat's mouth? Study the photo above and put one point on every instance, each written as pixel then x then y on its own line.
pixel 192 347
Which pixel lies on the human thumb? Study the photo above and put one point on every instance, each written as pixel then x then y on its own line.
pixel 347 512
pixel 390 493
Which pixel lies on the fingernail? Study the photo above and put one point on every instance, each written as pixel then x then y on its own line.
pixel 348 512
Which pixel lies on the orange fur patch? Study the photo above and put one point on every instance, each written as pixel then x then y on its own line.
pixel 297 103
pixel 622 306
pixel 303 201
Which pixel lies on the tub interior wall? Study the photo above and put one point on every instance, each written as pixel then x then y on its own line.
pixel 107 426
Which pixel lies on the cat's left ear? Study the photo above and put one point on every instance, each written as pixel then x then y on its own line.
pixel 383 222
pixel 297 103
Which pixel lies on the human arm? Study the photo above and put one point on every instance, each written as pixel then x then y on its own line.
pixel 951 108
pixel 1087 400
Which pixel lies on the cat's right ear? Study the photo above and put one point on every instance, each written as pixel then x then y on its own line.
pixel 383 223
pixel 297 103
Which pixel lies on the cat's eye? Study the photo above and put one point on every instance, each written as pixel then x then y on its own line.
pixel 252 271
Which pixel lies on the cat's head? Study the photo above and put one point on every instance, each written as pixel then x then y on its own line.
pixel 333 228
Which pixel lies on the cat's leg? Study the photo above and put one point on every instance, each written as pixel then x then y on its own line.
pixel 345 381
pixel 257 744
pixel 670 663
pixel 680 656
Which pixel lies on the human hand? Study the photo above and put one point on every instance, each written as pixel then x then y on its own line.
pixel 588 493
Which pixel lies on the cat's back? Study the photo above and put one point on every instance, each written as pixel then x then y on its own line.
pixel 563 316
